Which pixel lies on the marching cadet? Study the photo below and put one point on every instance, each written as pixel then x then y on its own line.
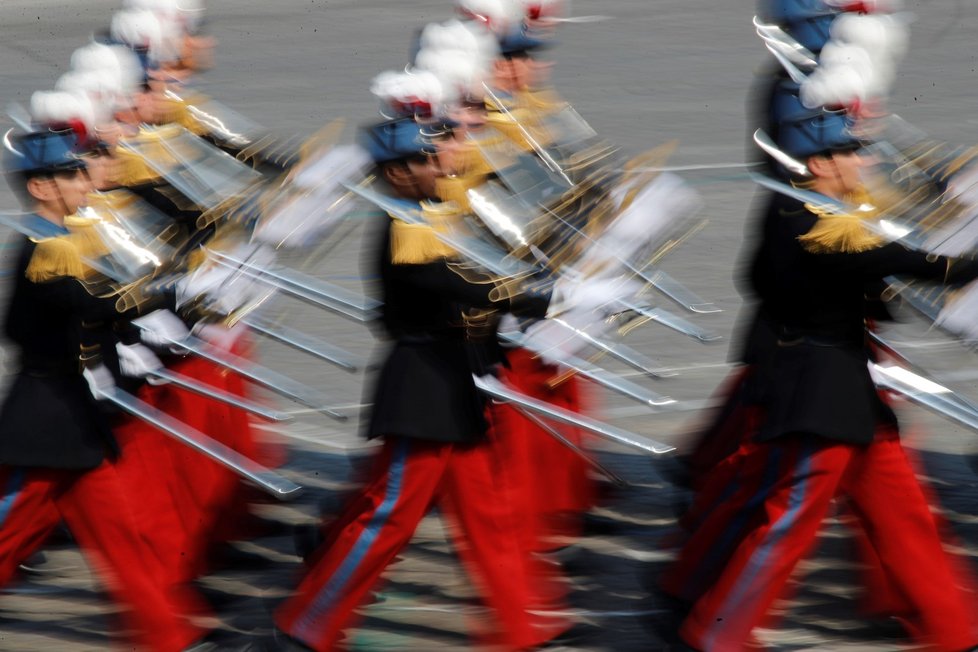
pixel 57 451
pixel 433 424
pixel 717 454
pixel 560 489
pixel 817 426
pixel 551 482
pixel 208 498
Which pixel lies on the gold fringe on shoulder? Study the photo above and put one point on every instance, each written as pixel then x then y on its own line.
pixel 175 110
pixel 415 244
pixel 545 99
pixel 839 233
pixel 86 239
pixel 509 128
pixel 53 259
pixel 132 169
pixel 453 189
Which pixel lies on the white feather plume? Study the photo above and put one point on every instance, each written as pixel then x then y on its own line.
pixel 883 36
pixel 52 107
pixel 394 87
pixel 500 16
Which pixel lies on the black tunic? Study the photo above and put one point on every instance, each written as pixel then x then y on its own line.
pixel 49 418
pixel 425 388
pixel 816 380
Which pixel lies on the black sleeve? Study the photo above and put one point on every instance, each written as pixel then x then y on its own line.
pixel 438 278
pixel 895 259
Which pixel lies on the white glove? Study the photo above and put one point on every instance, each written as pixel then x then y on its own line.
pixel 205 280
pixel 220 336
pixel 161 328
pixel 225 289
pixel 137 361
pixel 592 294
pixel 958 314
pixel 99 379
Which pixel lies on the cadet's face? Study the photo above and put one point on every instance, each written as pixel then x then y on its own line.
pixel 149 104
pixel 448 154
pixel 522 71
pixel 469 116
pixel 72 189
pixel 102 170
pixel 425 172
pixel 838 173
pixel 848 166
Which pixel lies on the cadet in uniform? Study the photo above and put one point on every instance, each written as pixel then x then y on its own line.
pixel 57 451
pixel 817 424
pixel 433 424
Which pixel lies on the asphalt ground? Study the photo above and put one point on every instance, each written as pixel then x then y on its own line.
pixel 648 73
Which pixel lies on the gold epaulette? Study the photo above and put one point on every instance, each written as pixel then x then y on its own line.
pixel 65 255
pixel 841 232
pixel 86 239
pixel 546 100
pixel 53 259
pixel 511 124
pixel 133 170
pixel 110 200
pixel 416 244
pixel 174 110
pixel 470 161
pixel 453 189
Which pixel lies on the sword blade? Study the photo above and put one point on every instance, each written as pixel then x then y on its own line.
pixel 311 289
pixel 218 394
pixel 679 293
pixel 494 388
pixel 262 375
pixel 927 393
pixel 632 358
pixel 604 377
pixel 674 322
pixel 247 468
pixel 556 434
pixel 303 342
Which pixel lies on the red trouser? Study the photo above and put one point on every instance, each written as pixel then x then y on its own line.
pixel 556 480
pixel 467 482
pixel 796 478
pixel 189 499
pixel 94 506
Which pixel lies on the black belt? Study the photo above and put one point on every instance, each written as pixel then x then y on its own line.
pixel 51 372
pixel 818 340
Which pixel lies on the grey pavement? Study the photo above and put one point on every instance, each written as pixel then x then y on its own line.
pixel 654 71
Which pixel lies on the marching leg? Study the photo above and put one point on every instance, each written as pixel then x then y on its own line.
pixel 390 508
pixel 27 515
pixel 894 511
pixel 490 543
pixel 96 510
pixel 809 472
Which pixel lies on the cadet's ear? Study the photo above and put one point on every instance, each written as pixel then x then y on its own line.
pixel 397 174
pixel 819 165
pixel 42 188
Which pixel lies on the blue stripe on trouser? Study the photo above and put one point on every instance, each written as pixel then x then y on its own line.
pixel 728 538
pixel 14 485
pixel 774 536
pixel 325 600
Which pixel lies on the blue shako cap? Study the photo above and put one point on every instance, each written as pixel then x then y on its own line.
pixel 394 140
pixel 806 21
pixel 520 40
pixel 802 131
pixel 786 105
pixel 41 151
pixel 792 11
